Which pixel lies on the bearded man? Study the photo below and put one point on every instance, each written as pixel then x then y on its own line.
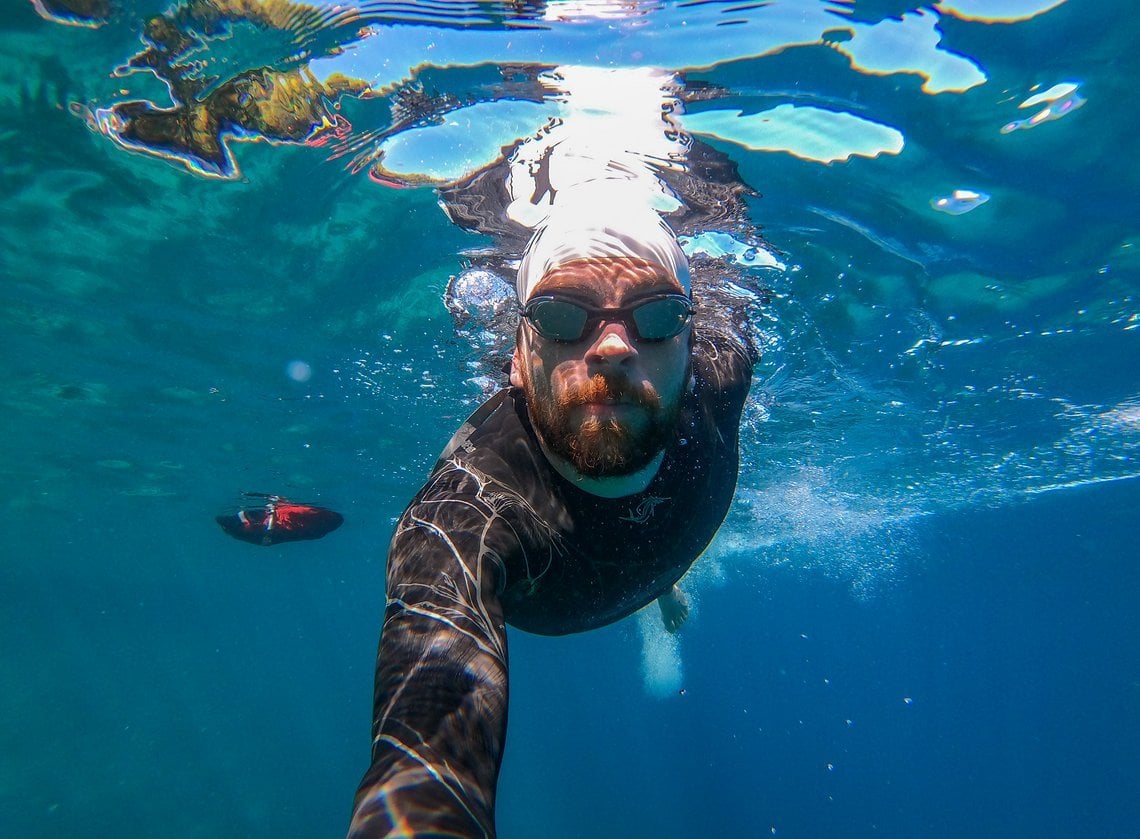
pixel 569 500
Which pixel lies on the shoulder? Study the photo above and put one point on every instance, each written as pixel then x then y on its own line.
pixel 478 499
pixel 493 455
pixel 491 413
pixel 722 372
pixel 725 338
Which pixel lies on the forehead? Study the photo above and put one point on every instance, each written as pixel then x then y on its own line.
pixel 607 279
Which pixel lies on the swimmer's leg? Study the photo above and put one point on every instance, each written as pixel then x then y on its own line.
pixel 674 608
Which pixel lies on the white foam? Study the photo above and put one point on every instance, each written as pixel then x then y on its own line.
pixel 661 667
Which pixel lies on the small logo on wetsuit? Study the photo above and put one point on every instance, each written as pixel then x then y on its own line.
pixel 641 513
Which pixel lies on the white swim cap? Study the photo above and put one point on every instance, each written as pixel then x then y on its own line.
pixel 598 223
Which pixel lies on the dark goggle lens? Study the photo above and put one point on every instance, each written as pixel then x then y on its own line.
pixel 653 320
pixel 557 319
pixel 659 320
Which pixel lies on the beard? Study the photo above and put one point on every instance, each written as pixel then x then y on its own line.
pixel 603 447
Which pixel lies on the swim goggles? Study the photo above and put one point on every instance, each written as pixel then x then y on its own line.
pixel 652 319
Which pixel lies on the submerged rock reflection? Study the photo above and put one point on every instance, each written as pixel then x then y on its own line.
pixel 91 13
pixel 284 103
pixel 1060 100
pixel 959 201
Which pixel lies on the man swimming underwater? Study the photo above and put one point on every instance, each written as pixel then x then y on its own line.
pixel 587 488
pixel 567 501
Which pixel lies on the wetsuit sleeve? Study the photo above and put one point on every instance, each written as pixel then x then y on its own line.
pixel 439 720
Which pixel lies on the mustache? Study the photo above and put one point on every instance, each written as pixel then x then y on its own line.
pixel 613 388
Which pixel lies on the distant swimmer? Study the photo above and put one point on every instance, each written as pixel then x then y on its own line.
pixel 276 519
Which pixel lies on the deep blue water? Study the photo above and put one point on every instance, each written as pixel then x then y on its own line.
pixel 919 616
pixel 1011 635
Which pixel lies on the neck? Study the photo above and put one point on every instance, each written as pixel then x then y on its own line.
pixel 616 486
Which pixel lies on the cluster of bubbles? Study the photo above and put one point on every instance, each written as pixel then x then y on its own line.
pixel 809 518
pixel 662 669
pixel 485 310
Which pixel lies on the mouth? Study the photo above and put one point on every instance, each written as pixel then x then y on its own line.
pixel 606 398
pixel 609 407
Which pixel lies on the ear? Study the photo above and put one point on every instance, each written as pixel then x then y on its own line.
pixel 516 366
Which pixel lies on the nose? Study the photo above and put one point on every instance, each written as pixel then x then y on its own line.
pixel 612 346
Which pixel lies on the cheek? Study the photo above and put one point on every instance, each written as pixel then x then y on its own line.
pixel 552 372
pixel 567 375
pixel 539 373
pixel 667 366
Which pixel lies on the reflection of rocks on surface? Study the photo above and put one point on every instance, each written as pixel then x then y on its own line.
pixel 290 106
pixel 959 202
pixel 709 187
pixel 81 12
pixel 1060 100
pixel 281 102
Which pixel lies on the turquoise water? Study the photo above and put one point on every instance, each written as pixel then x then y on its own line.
pixel 919 616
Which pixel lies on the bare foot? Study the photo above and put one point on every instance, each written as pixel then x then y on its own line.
pixel 674 609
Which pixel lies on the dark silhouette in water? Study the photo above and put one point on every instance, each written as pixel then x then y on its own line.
pixel 277 520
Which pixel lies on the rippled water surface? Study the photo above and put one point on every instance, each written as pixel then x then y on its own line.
pixel 226 268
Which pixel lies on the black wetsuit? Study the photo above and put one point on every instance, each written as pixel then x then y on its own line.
pixel 497 536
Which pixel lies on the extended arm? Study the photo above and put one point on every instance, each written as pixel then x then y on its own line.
pixel 441 680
